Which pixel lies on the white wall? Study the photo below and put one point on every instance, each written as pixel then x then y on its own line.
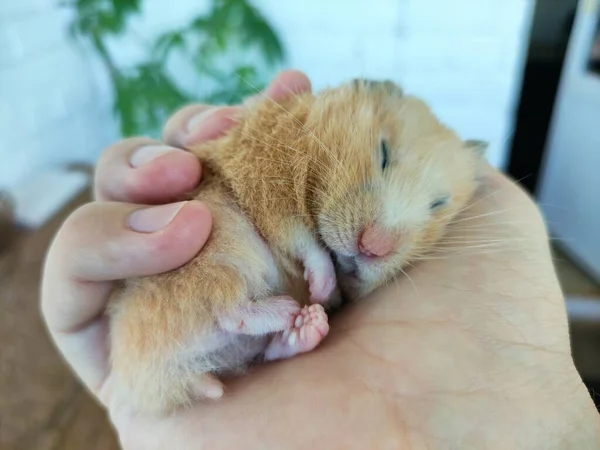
pixel 52 110
pixel 569 182
pixel 464 56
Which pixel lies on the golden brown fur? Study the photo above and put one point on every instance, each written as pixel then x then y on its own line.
pixel 300 175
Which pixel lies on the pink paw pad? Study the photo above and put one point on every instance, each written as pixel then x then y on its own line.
pixel 308 329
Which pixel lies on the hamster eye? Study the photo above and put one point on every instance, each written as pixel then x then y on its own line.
pixel 384 154
pixel 438 203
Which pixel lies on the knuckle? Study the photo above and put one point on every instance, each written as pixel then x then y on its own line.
pixel 109 161
pixel 90 237
pixel 71 236
pixel 77 222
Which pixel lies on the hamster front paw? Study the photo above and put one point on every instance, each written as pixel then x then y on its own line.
pixel 319 272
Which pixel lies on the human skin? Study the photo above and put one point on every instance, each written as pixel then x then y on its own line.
pixel 471 351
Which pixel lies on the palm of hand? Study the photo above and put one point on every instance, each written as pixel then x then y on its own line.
pixel 478 333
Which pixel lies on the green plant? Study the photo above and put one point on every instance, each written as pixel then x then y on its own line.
pixel 145 93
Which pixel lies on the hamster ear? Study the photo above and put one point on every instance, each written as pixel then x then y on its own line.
pixel 386 85
pixel 393 88
pixel 477 146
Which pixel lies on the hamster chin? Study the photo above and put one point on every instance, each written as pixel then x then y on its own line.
pixel 400 178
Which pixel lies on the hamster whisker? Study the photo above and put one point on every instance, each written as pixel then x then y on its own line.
pixel 507 245
pixel 256 89
pixel 462 249
pixel 462 242
pixel 467 238
pixel 480 239
pixel 469 247
pixel 459 246
pixel 550 205
pixel 559 239
pixel 465 219
pixel 477 201
pixel 488 225
pixel 436 256
pixel 409 279
pixel 501 239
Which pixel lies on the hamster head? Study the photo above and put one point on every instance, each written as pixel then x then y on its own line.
pixel 393 180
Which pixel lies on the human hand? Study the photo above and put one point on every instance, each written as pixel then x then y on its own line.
pixel 471 352
pixel 119 236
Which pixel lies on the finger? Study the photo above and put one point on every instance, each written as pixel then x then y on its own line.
pixel 145 171
pixel 102 242
pixel 198 123
pixel 287 84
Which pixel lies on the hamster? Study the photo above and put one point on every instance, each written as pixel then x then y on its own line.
pixel 314 197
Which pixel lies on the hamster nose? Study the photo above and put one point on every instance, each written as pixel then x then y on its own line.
pixel 375 242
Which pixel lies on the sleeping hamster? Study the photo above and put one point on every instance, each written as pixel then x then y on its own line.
pixel 350 185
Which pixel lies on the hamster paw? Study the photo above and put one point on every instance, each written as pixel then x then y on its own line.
pixel 321 283
pixel 319 270
pixel 308 329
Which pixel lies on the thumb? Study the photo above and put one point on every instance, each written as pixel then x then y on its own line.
pixel 100 243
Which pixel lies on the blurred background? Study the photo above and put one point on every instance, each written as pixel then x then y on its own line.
pixel 76 75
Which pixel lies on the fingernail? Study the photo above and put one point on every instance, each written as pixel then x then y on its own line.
pixel 144 155
pixel 195 120
pixel 210 124
pixel 153 219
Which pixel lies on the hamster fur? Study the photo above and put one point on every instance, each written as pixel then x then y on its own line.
pixel 360 173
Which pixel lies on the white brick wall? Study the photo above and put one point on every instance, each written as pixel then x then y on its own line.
pixel 464 56
pixel 52 110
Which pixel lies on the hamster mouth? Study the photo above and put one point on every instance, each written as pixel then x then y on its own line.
pixel 347 265
pixel 344 264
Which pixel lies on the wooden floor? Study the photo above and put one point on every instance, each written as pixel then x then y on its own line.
pixel 42 407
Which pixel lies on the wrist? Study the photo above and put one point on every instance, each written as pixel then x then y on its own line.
pixel 559 410
pixel 579 421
